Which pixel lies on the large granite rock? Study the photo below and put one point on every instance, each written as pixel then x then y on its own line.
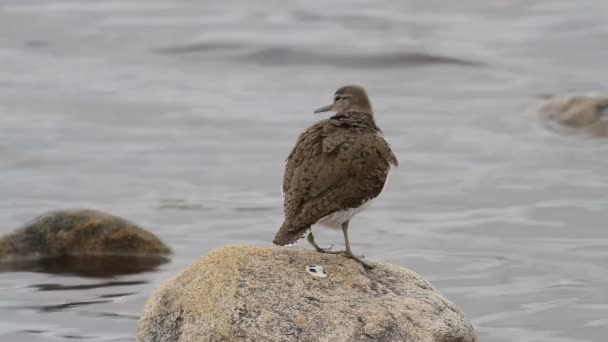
pixel 576 114
pixel 243 293
pixel 78 233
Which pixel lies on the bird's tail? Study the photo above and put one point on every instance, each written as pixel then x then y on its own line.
pixel 289 234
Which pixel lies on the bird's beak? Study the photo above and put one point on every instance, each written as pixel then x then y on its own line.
pixel 324 108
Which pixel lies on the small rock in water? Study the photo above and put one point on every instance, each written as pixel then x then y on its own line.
pixel 81 241
pixel 576 114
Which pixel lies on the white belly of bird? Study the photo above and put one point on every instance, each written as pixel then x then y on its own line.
pixel 335 219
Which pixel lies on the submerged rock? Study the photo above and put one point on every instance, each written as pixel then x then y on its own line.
pixel 96 266
pixel 64 236
pixel 584 114
pixel 243 293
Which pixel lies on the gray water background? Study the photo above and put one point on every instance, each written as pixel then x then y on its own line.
pixel 178 115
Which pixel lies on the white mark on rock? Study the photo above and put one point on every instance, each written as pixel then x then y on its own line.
pixel 316 270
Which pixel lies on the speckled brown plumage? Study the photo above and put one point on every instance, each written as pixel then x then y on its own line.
pixel 336 164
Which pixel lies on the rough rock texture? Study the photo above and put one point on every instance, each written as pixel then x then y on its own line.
pixel 243 293
pixel 584 114
pixel 79 232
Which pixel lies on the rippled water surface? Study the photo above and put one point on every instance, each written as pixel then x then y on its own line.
pixel 178 115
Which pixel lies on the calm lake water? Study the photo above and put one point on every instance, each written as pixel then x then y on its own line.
pixel 178 115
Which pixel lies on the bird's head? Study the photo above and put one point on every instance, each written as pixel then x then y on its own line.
pixel 349 98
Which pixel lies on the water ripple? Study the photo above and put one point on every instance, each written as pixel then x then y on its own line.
pixel 293 56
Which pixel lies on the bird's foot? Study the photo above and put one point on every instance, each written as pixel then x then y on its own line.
pixel 346 254
pixel 356 258
pixel 328 250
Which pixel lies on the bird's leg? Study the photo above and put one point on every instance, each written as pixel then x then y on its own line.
pixel 348 253
pixel 312 241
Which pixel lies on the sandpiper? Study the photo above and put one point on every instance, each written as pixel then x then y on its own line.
pixel 337 167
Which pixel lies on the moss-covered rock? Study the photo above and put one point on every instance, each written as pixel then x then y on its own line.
pixel 79 232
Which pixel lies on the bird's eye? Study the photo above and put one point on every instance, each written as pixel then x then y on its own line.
pixel 337 98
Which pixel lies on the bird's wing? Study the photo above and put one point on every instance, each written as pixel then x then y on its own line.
pixel 320 180
pixel 306 146
pixel 384 149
